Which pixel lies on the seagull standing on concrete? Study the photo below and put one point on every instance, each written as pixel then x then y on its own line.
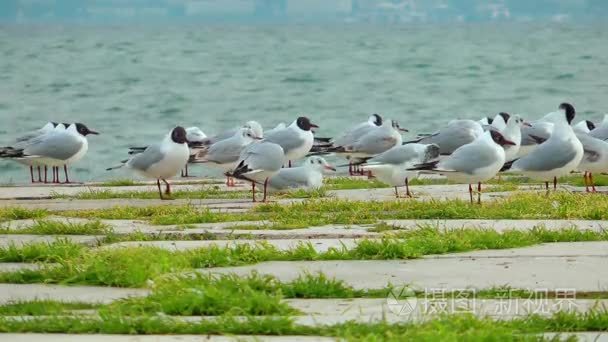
pixel 161 160
pixel 225 153
pixel 257 163
pixel 307 176
pixel 472 163
pixel 55 148
pixel 296 140
pixel 354 133
pixel 555 157
pixel 22 141
pixel 391 166
pixel 595 158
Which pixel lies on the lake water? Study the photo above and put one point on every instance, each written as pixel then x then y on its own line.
pixel 133 84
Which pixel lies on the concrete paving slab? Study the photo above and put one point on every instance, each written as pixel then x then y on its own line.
pixel 22 239
pixel 416 308
pixel 86 294
pixel 320 245
pixel 155 338
pixel 591 336
pixel 502 225
pixel 552 271
pixel 19 266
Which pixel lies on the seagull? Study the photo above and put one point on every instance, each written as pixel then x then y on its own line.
pixel 225 153
pixel 475 162
pixel 22 141
pixel 308 176
pixel 595 158
pixel 258 162
pixel 391 166
pixel 456 134
pixel 57 147
pixel 354 133
pixel 193 135
pixel 500 121
pixel 512 132
pixel 487 121
pixel 601 131
pixel 162 160
pixel 584 126
pixel 555 157
pixel 296 139
pixel 375 141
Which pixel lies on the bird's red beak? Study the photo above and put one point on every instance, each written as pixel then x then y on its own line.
pixel 527 124
pixel 313 125
pixel 403 129
pixel 509 142
pixel 329 167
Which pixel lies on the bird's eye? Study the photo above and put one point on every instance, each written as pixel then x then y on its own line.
pixel 318 161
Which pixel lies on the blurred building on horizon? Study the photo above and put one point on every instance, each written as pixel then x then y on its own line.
pixel 349 11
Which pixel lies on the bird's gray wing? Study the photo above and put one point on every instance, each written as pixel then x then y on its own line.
pixel 452 137
pixel 289 178
pixel 150 156
pixel 59 146
pixel 397 155
pixel 285 138
pixel 225 151
pixel 547 156
pixel 600 133
pixel 353 134
pixel 593 147
pixel 530 134
pixel 469 158
pixel 375 142
pixel 263 156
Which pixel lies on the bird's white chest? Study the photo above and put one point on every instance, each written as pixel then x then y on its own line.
pixel 302 150
pixel 175 157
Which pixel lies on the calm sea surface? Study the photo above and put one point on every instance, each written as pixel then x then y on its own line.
pixel 133 84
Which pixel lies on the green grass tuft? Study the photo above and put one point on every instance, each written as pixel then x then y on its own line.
pixel 51 227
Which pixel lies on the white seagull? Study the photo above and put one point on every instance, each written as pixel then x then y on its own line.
pixel 257 163
pixel 162 160
pixel 307 176
pixel 472 163
pixel 55 148
pixel 456 134
pixel 296 139
pixel 391 166
pixel 556 156
pixel 225 153
pixel 595 158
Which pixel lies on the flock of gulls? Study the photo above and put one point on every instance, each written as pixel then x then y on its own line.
pixel 465 151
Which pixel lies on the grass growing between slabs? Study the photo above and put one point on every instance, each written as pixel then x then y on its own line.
pixel 52 227
pixel 442 328
pixel 135 266
pixel 318 212
pixel 42 307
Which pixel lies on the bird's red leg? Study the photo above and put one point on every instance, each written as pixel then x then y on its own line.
pixel 586 181
pixel 45 174
pixel 160 192
pixel 253 190
pixel 479 193
pixel 407 188
pixel 554 183
pixel 65 170
pixel 289 163
pixel 591 181
pixel 39 175
pixel 471 193
pixel 32 173
pixel 350 168
pixel 168 187
pixel 396 192
pixel 265 187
